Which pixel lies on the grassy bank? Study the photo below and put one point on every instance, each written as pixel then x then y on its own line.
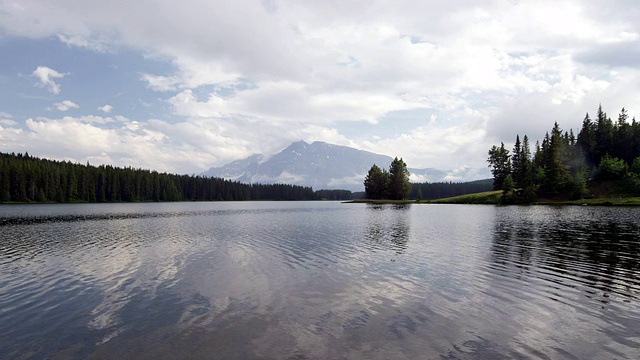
pixel 487 197
pixel 367 201
pixel 625 201
pixel 495 198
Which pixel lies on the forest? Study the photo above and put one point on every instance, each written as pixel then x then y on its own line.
pixel 602 160
pixel 439 190
pixel 24 179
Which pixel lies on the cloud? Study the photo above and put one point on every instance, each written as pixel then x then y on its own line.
pixel 46 76
pixel 465 142
pixel 618 54
pixel 185 103
pixel 12 137
pixel 190 74
pixel 8 122
pixel 282 178
pixel 151 144
pixel 66 105
pixel 105 108
pixel 355 180
pixel 99 45
pixel 160 83
pixel 247 77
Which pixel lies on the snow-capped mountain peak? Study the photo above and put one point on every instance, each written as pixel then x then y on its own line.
pixel 319 165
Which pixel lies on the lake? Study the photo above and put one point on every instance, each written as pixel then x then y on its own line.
pixel 319 280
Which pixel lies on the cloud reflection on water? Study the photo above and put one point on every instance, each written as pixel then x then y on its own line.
pixel 327 280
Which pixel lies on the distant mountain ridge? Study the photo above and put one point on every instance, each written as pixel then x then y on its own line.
pixel 320 165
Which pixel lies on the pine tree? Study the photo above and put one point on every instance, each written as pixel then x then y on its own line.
pixel 399 185
pixel 376 183
pixel 5 182
pixel 622 146
pixel 587 140
pixel 604 135
pixel 556 172
pixel 507 187
pixel 516 162
pixel 526 171
pixel 499 161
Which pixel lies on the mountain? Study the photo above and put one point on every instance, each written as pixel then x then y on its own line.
pixel 319 165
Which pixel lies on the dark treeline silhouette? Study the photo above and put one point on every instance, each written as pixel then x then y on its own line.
pixel 24 178
pixel 439 190
pixel 333 195
pixel 393 184
pixel 604 155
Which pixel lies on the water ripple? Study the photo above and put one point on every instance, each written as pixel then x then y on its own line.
pixel 319 280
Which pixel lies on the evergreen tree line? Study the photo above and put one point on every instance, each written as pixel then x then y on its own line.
pixel 439 190
pixel 393 184
pixel 24 178
pixel 564 165
pixel 334 195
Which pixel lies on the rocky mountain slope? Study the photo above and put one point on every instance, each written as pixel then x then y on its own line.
pixel 319 165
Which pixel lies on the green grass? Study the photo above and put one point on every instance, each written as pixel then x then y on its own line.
pixel 495 197
pixel 606 201
pixel 487 197
pixel 368 201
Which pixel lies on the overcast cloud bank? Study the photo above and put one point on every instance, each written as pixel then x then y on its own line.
pixel 200 83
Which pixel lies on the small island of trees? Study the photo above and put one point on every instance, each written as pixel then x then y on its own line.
pixel 393 184
pixel 603 160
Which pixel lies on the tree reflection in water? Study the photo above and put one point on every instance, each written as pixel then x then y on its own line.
pixel 570 249
pixel 388 227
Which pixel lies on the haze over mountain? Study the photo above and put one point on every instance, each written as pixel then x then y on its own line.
pixel 319 165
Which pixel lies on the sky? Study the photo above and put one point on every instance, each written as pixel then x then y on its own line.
pixel 184 86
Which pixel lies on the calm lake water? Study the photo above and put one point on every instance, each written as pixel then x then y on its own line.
pixel 319 280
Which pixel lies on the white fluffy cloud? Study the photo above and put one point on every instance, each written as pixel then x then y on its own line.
pixel 65 105
pixel 123 142
pixel 161 83
pixel 105 108
pixel 249 77
pixel 191 73
pixel 46 77
pixel 444 142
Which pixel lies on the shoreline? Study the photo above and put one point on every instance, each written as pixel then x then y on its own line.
pixel 495 198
